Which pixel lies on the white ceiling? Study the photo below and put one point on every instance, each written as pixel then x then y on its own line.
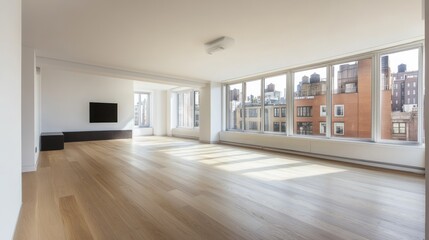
pixel 167 37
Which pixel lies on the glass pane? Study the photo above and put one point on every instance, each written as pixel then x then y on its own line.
pixel 196 109
pixel 136 109
pixel 235 106
pixel 275 103
pixel 310 95
pixel 351 99
pixel 180 116
pixel 144 110
pixel 399 79
pixel 252 116
pixel 185 109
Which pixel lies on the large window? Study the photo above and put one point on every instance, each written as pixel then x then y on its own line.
pixel 399 115
pixel 310 93
pixel 188 109
pixel 141 109
pixel 235 106
pixel 275 103
pixel 337 100
pixel 253 106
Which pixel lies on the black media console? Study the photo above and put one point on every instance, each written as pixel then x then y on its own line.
pixel 55 141
pixel 51 141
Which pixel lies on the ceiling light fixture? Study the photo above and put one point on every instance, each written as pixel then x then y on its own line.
pixel 218 44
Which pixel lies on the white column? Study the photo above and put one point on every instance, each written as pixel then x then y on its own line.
pixel 210 112
pixel 160 113
pixel 426 110
pixel 29 147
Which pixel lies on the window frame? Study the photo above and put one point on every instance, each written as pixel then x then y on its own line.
pixel 339 124
pixel 339 106
pixel 419 45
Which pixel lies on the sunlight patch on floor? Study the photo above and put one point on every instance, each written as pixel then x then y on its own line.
pixel 190 150
pixel 269 162
pixel 293 172
pixel 231 158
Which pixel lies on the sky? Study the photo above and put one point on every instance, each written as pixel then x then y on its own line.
pixel 410 58
pixel 298 75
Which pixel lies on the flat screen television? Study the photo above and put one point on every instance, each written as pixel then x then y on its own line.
pixel 103 112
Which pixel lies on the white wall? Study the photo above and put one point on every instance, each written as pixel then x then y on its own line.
pixel 171 112
pixel 411 157
pixel 10 122
pixel 28 111
pixel 37 114
pixel 159 113
pixel 193 133
pixel 66 96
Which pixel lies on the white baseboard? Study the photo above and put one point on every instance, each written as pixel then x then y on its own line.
pixel 32 168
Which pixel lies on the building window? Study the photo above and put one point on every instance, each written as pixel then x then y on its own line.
pixel 323 110
pixel 251 125
pixel 276 112
pixel 339 128
pixel 339 110
pixel 283 127
pixel 304 111
pixel 322 128
pixel 253 113
pixel 304 128
pixel 235 106
pixel 398 128
pixel 283 110
pixel 394 67
pixel 141 109
pixel 276 127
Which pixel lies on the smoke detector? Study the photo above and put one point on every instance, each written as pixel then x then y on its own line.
pixel 218 44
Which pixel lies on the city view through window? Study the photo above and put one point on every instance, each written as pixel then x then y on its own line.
pixel 188 109
pixel 350 91
pixel 141 109
pixel 399 95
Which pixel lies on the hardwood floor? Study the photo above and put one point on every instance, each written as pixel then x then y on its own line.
pixel 169 188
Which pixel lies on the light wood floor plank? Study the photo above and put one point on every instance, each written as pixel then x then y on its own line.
pixel 74 222
pixel 170 188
